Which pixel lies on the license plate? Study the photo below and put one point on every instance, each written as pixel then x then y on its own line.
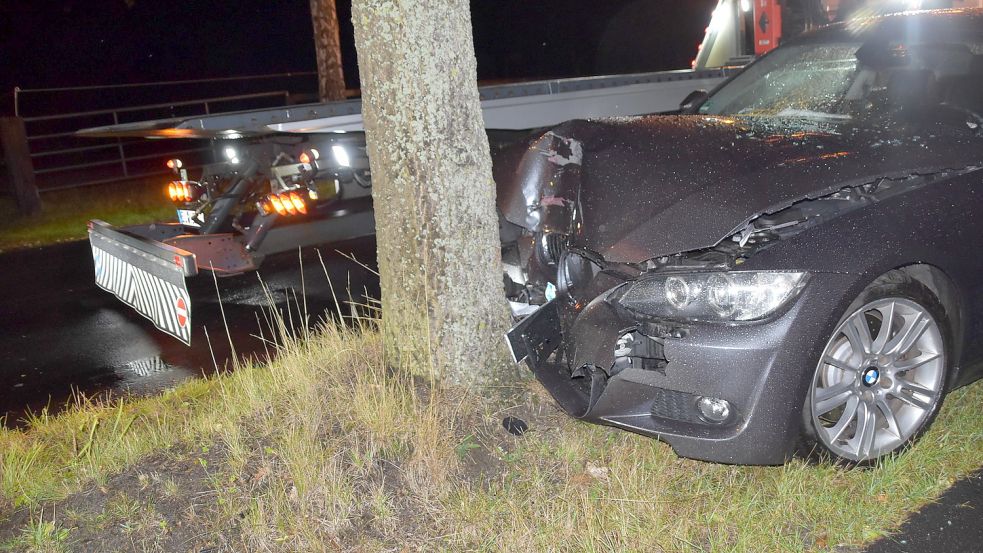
pixel 187 217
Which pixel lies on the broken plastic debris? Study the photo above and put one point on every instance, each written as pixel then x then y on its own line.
pixel 515 426
pixel 550 291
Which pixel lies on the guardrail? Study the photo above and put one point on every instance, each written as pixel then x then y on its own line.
pixel 56 153
pixel 61 160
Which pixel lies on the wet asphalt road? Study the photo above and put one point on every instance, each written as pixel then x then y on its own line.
pixel 953 524
pixel 59 333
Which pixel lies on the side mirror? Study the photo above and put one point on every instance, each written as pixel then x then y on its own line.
pixel 693 101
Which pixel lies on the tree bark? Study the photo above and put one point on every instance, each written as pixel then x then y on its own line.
pixel 440 262
pixel 327 45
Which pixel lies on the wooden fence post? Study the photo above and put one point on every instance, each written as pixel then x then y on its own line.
pixel 20 169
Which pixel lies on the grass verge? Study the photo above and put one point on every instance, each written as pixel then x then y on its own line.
pixel 65 213
pixel 327 449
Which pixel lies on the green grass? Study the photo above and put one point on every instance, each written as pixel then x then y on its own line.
pixel 327 448
pixel 40 536
pixel 65 213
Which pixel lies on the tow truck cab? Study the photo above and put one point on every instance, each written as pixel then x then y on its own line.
pixel 740 30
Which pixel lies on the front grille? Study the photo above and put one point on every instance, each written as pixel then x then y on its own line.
pixel 553 245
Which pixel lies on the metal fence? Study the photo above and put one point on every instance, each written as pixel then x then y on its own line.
pixel 63 160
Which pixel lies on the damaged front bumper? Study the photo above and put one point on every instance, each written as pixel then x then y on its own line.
pixel 717 392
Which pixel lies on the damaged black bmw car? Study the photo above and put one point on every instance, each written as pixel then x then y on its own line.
pixel 789 266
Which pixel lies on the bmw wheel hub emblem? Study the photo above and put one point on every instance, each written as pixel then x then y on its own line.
pixel 871 376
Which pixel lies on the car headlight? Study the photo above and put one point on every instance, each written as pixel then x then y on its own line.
pixel 713 297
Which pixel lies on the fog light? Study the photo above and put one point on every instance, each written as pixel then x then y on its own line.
pixel 713 410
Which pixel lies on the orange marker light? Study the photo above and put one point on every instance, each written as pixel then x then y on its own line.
pixel 171 191
pixel 298 203
pixel 277 205
pixel 304 158
pixel 287 204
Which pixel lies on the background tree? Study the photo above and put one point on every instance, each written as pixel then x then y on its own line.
pixel 327 45
pixel 437 229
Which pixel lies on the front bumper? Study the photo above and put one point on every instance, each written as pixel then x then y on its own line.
pixel 762 370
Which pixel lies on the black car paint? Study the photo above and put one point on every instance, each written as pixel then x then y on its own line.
pixel 681 187
pixel 705 177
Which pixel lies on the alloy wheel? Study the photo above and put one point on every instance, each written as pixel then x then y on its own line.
pixel 879 379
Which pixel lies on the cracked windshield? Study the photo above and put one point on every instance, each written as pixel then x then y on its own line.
pixel 853 80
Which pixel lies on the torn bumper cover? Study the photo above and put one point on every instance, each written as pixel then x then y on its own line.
pixel 727 393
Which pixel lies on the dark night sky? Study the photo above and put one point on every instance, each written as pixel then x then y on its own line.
pixel 79 42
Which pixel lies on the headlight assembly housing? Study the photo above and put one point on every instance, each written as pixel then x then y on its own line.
pixel 728 297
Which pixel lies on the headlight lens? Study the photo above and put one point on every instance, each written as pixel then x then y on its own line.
pixel 714 297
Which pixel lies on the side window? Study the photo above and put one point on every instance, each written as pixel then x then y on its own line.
pixel 966 91
pixel 958 68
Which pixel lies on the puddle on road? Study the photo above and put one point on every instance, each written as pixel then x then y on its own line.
pixel 96 346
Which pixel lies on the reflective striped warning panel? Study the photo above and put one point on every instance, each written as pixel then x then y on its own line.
pixel 155 289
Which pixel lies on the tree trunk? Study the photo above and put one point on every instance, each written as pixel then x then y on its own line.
pixel 440 262
pixel 327 45
pixel 20 168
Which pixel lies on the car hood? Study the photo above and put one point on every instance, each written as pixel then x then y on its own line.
pixel 637 188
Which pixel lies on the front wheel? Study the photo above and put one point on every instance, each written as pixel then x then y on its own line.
pixel 882 376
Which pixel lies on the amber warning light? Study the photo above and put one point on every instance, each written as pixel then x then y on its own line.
pixel 181 191
pixel 308 156
pixel 286 203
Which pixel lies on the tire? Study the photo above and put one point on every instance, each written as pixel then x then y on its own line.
pixel 874 394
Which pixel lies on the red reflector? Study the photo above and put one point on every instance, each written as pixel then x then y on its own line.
pixel 182 312
pixel 179 261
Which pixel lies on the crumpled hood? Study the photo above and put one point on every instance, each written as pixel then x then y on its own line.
pixel 644 187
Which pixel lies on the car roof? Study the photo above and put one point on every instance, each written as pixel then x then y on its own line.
pixel 902 25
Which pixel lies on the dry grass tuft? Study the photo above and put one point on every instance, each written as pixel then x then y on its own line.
pixel 327 448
